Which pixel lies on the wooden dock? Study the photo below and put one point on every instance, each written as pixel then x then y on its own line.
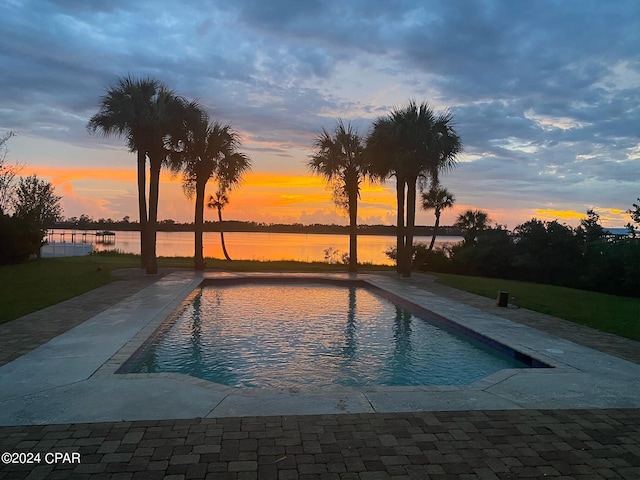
pixel 105 237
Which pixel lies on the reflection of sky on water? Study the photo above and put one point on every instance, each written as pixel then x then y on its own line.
pixel 262 246
pixel 312 335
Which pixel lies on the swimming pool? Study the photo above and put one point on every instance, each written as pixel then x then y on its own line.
pixel 288 334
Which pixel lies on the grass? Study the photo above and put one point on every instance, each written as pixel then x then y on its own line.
pixel 35 285
pixel 609 313
pixel 38 284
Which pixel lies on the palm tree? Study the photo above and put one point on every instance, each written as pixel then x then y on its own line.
pixel 219 201
pixel 414 145
pixel 339 159
pixel 168 114
pixel 472 222
pixel 437 199
pixel 207 150
pixel 139 110
pixel 384 163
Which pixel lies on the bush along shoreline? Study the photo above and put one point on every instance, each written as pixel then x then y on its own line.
pixel 587 257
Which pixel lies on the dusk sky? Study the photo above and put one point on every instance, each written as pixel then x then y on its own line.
pixel 545 96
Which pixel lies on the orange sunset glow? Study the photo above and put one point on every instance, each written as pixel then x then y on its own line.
pixel 265 198
pixel 262 197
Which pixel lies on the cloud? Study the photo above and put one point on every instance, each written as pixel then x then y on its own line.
pixel 74 204
pixel 544 93
pixel 325 216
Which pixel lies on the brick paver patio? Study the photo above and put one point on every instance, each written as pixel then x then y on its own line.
pixel 567 444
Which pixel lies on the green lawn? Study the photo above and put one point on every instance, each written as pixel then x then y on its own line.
pixel 610 313
pixel 35 285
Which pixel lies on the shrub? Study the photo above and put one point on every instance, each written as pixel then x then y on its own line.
pixel 490 256
pixel 19 240
pixel 432 260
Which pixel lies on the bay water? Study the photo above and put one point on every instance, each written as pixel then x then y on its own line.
pixel 263 246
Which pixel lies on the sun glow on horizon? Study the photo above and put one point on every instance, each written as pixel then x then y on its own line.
pixel 268 197
pixel 262 196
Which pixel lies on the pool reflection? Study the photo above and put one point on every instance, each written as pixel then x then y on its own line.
pixel 291 335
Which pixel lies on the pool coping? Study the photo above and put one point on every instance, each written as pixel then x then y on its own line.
pixel 72 378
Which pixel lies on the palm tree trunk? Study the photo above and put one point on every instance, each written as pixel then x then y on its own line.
pixel 198 259
pixel 400 224
pixel 435 229
pixel 353 231
pixel 411 220
pixel 154 186
pixel 224 247
pixel 142 206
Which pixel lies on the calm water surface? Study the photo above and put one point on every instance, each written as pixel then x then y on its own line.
pixel 284 336
pixel 256 245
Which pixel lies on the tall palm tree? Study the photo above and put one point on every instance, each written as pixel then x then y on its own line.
pixel 139 110
pixel 219 201
pixel 339 159
pixel 415 145
pixel 437 199
pixel 168 114
pixel 207 150
pixel 472 222
pixel 384 162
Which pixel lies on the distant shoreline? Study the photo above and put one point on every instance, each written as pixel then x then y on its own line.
pixel 235 226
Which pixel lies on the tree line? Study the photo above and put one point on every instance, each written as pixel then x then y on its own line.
pixel 27 206
pixel 84 222
pixel 586 257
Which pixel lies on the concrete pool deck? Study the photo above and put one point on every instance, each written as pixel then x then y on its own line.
pixel 560 438
pixel 71 378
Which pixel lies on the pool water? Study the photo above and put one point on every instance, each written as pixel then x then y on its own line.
pixel 311 335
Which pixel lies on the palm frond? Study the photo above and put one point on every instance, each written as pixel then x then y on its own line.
pixel 339 158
